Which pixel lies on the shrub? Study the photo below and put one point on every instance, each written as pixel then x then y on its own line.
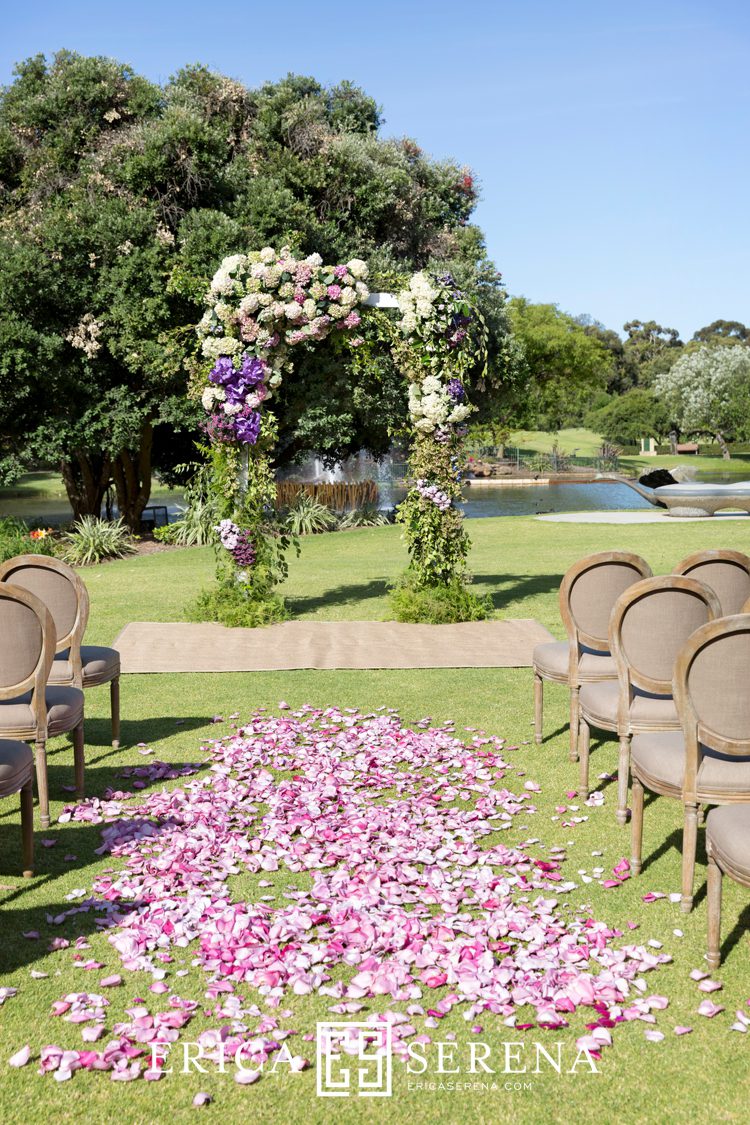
pixel 369 515
pixel 437 605
pixel 92 540
pixel 229 605
pixel 16 538
pixel 196 527
pixel 309 517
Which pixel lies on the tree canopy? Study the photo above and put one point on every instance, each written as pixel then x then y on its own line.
pixel 560 368
pixel 118 199
pixel 708 391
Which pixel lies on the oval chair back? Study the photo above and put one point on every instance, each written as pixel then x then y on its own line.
pixel 711 692
pixel 650 624
pixel 588 593
pixel 63 593
pixel 726 572
pixel 28 649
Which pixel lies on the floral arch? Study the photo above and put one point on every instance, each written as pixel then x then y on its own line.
pixel 261 307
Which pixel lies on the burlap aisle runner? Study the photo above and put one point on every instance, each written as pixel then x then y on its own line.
pixel 147 646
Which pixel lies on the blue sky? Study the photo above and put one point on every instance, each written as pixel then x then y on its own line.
pixel 609 138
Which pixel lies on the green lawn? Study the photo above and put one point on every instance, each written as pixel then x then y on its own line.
pixel 585 443
pixel 699 1077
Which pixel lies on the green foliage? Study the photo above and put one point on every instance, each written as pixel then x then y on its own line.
pixel 445 604
pixel 631 416
pixel 15 539
pixel 197 525
pixel 368 515
pixel 437 540
pixel 563 366
pixel 708 391
pixel 309 517
pixel 230 604
pixel 91 540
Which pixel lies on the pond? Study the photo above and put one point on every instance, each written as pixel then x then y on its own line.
pixel 481 500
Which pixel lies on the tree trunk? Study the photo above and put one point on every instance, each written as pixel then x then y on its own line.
pixel 132 475
pixel 86 477
pixel 723 446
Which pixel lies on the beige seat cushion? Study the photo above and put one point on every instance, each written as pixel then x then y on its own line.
pixel 100 665
pixel 16 766
pixel 659 756
pixel 64 712
pixel 728 831
pixel 552 660
pixel 601 701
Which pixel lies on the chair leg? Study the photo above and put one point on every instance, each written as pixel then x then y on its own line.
pixel 40 759
pixel 78 760
pixel 636 827
pixel 27 828
pixel 689 842
pixel 623 776
pixel 713 954
pixel 114 701
pixel 538 707
pixel 575 721
pixel 584 741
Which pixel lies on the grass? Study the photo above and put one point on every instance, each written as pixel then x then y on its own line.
pixel 700 1077
pixel 587 444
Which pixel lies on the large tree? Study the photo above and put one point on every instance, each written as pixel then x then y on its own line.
pixel 708 391
pixel 558 369
pixel 118 199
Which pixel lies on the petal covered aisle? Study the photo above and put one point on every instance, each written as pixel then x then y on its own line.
pixel 400 887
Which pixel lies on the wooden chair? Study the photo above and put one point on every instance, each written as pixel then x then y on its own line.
pixel 31 710
pixel 728 847
pixel 650 623
pixel 66 597
pixel 708 760
pixel 16 776
pixel 588 592
pixel 726 572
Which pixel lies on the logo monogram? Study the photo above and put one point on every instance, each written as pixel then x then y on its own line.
pixel 354 1059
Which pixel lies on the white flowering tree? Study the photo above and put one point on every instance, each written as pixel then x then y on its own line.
pixel 261 307
pixel 708 391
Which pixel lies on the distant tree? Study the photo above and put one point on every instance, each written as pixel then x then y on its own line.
pixel 708 391
pixel 650 349
pixel 723 331
pixel 561 367
pixel 624 373
pixel 629 417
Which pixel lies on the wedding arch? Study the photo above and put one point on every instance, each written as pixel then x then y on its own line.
pixel 262 307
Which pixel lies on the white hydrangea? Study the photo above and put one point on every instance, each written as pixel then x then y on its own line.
pixel 309 308
pixel 293 311
pixel 431 385
pixel 214 346
pixel 338 312
pixel 258 270
pixel 222 282
pixel 314 260
pixel 348 296
pixel 249 304
pixel 458 413
pixel 233 262
pixel 211 395
pixel 268 255
pixel 357 268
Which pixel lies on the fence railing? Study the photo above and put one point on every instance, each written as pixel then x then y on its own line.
pixel 553 461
